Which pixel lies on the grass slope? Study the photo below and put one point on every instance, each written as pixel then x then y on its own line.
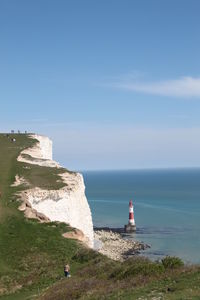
pixel 32 254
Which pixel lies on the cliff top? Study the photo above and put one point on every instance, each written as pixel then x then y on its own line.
pixel 33 254
pixel 29 249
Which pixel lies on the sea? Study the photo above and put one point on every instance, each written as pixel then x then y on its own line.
pixel 166 207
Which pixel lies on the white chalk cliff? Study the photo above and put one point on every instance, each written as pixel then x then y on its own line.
pixel 68 204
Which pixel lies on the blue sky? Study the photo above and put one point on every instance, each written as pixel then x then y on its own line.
pixel 114 83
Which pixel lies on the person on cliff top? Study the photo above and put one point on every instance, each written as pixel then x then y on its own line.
pixel 66 271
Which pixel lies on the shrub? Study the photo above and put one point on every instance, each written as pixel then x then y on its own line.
pixel 84 255
pixel 137 266
pixel 172 262
pixel 144 268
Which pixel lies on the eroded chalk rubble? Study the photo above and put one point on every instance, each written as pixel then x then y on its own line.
pixel 116 247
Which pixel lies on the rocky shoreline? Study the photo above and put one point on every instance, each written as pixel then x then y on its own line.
pixel 112 244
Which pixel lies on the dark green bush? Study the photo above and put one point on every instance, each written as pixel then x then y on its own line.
pixel 172 262
pixel 84 255
pixel 145 269
pixel 137 266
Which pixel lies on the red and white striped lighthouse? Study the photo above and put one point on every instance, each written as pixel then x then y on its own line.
pixel 130 227
pixel 131 214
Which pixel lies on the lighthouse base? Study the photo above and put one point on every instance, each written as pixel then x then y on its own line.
pixel 129 228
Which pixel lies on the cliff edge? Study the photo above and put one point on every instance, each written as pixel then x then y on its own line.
pixel 67 204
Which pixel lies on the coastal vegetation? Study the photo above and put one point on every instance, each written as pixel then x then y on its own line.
pixel 33 254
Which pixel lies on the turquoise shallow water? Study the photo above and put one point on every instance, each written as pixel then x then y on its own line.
pixel 166 202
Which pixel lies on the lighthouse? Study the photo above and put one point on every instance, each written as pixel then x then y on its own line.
pixel 130 227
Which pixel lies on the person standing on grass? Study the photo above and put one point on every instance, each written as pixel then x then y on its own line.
pixel 66 271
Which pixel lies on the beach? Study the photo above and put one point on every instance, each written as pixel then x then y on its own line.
pixel 112 244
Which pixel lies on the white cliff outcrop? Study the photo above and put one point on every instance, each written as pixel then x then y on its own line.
pixel 40 154
pixel 68 204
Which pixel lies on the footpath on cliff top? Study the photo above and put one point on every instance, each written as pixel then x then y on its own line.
pixel 33 253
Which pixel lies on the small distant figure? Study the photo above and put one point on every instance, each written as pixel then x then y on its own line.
pixel 25 132
pixel 12 131
pixel 66 271
pixel 18 131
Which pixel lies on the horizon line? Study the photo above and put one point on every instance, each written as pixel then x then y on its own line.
pixel 139 169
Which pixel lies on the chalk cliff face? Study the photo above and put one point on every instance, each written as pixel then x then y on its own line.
pixel 40 154
pixel 68 204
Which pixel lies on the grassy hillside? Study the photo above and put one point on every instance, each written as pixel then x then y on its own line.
pixel 32 254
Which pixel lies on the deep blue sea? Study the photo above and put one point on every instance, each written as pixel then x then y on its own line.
pixel 166 203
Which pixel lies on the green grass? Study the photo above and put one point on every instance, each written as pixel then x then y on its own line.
pixel 137 278
pixel 32 254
